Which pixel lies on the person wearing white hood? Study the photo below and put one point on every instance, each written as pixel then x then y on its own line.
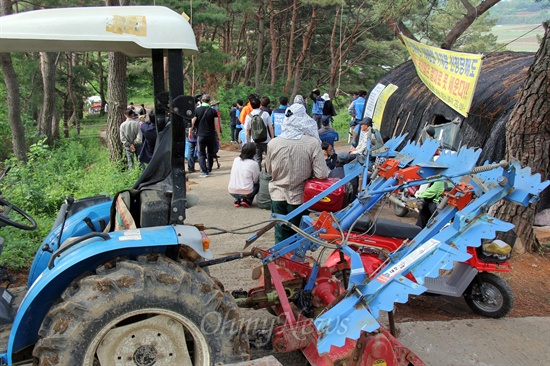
pixel 328 109
pixel 292 158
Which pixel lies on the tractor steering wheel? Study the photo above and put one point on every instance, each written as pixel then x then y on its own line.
pixel 22 221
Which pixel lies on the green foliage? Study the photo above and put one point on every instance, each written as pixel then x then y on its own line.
pixel 78 167
pixel 5 130
pixel 139 80
pixel 20 246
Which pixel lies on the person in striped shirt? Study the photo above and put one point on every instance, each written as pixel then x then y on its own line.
pixel 292 158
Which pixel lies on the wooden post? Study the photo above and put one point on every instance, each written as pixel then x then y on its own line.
pixel 405 125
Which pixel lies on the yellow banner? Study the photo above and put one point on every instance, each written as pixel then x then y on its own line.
pixel 381 105
pixel 452 76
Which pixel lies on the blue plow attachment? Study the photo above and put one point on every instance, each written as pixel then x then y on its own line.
pixel 437 247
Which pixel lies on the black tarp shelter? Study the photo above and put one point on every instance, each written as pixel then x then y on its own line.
pixel 412 106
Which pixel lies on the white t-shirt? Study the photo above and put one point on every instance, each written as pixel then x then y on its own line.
pixel 244 173
pixel 266 118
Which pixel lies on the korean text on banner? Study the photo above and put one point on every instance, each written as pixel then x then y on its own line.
pixel 452 76
pixel 373 98
pixel 381 105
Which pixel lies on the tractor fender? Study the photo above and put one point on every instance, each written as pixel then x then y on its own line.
pixel 74 226
pixel 87 256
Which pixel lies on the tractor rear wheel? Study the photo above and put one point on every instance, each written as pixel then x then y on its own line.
pixel 153 311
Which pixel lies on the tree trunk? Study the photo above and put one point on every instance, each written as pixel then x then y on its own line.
pixel 260 38
pixel 55 125
pixel 528 139
pixel 101 84
pixel 274 49
pixel 116 95
pixel 45 123
pixel 66 116
pixel 13 97
pixel 335 52
pixel 74 121
pixel 14 107
pixel 290 52
pixel 304 52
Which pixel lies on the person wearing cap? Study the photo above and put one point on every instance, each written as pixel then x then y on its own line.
pixel 328 109
pixel 366 132
pixel 292 158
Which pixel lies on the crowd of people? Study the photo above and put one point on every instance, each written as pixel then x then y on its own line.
pixel 287 143
pixel 138 135
pixel 291 146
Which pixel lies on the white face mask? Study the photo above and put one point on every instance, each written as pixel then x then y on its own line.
pixel 215 107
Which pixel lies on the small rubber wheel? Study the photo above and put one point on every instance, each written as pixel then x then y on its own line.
pixel 489 295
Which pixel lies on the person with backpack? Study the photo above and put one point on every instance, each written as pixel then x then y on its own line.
pixel 131 137
pixel 259 129
pixel 264 102
pixel 247 108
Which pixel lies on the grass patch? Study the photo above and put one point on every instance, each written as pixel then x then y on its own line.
pixel 79 166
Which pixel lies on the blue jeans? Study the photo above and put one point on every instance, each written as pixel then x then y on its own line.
pixel 191 155
pixel 249 196
pixel 234 135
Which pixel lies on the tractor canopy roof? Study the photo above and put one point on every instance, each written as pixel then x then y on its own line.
pixel 132 30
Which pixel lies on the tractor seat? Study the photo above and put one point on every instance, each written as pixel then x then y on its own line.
pixel 148 203
pixel 387 228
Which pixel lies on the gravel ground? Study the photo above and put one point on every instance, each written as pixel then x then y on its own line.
pixel 215 209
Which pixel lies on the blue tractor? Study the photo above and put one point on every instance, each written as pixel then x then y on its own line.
pixel 94 291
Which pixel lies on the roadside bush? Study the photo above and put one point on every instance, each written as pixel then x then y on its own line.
pixel 78 167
